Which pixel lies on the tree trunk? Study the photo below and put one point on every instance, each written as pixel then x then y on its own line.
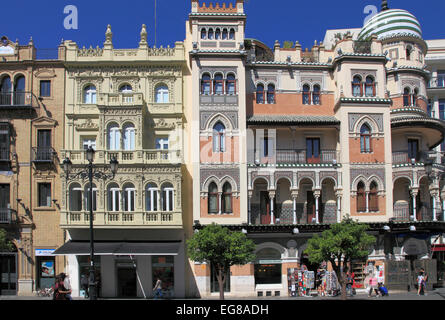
pixel 221 283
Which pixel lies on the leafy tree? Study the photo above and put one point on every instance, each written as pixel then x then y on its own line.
pixel 5 244
pixel 221 248
pixel 342 243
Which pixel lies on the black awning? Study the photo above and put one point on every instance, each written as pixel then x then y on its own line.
pixel 82 248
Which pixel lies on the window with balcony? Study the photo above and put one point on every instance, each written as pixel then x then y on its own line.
pixel 5 91
pixel 129 197
pixel 114 197
pixel 127 91
pixel 357 88
pixel 441 79
pixel 75 195
pixel 219 137
pixel 167 198
pixel 370 87
pixel 313 150
pixel 44 150
pixel 162 94
pixel 231 84
pixel 365 139
pixel 4 142
pixel 4 203
pixel 19 90
pixel 89 94
pixel 210 34
pixel 227 198
pixel 361 197
pixel 45 88
pixel 271 94
pixel 203 34
pixel 151 197
pixel 413 149
pixel 213 202
pixel 87 197
pixel 44 194
pixel 88 142
pixel 114 137
pixel 129 137
pixel 260 93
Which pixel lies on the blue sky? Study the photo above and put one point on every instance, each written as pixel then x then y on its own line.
pixel 267 20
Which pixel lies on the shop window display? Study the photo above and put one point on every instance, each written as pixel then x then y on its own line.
pixel 163 269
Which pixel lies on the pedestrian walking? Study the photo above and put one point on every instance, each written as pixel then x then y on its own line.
pixel 373 287
pixel 421 283
pixel 60 291
pixel 157 290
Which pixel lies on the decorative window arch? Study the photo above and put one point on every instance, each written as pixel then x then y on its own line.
pixel 357 86
pixel 206 84
pixel 213 203
pixel 203 34
pixel 151 197
pixel 5 90
pixel 225 34
pixel 271 93
pixel 114 137
pixel 232 34
pixel 219 135
pixel 231 84
pixel 373 197
pixel 365 138
pixel 167 197
pixel 218 83
pixel 19 89
pixel 129 137
pixel 227 198
pixel 361 197
pixel 306 94
pixel 370 90
pixel 162 94
pixel 129 197
pixel 89 94
pixel 75 197
pixel 218 34
pixel 260 93
pixel 210 34
pixel 316 94
pixel 127 90
pixel 114 197
pixel 87 197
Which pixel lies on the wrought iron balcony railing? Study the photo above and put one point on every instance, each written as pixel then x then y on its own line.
pixel 43 154
pixel 5 155
pixel 18 99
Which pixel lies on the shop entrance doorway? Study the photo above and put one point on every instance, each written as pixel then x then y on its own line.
pixel 8 273
pixel 126 282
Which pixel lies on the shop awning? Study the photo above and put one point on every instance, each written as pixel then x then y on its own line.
pixel 82 248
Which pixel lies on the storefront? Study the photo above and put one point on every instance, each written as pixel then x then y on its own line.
pixel 46 268
pixel 128 269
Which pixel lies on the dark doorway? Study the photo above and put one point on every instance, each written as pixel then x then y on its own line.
pixel 8 274
pixel 265 207
pixel 126 282
pixel 310 206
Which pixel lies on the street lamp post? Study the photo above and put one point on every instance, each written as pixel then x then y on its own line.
pixel 67 164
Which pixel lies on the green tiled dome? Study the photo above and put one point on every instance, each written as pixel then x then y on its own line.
pixel 390 23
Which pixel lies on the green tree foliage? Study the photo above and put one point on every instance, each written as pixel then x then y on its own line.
pixel 221 248
pixel 5 244
pixel 342 243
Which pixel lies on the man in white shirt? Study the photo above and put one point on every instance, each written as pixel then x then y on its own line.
pixel 67 285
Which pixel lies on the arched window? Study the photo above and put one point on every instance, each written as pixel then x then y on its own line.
pixel 167 198
pixel 270 94
pixel 87 197
pixel 306 94
pixel 373 200
pixel 210 34
pixel 231 84
pixel 218 84
pixel 415 96
pixel 127 91
pixel 129 197
pixel 75 195
pixel 114 137
pixel 151 197
pixel 409 50
pixel 219 137
pixel 114 197
pixel 357 88
pixel 162 95
pixel 365 139
pixel 260 93
pixel 203 34
pixel 213 204
pixel 19 90
pixel 225 34
pixel 370 87
pixel 206 84
pixel 227 198
pixel 316 95
pixel 89 95
pixel 361 197
pixel 232 34
pixel 129 137
pixel 218 34
pixel 5 91
pixel 406 97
